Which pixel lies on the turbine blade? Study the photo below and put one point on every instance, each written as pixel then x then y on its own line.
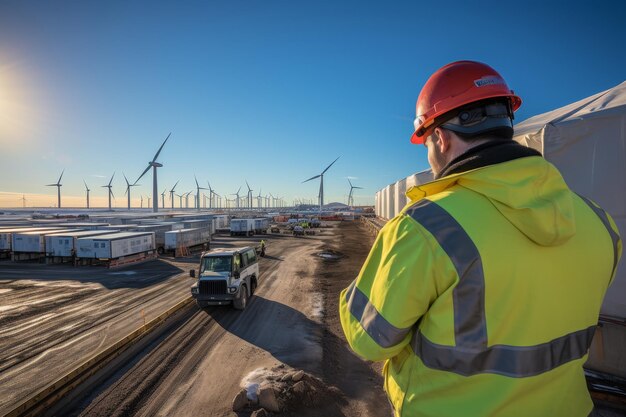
pixel 350 182
pixel 112 176
pixel 312 178
pixel 87 188
pixel 143 173
pixel 330 165
pixel 159 151
pixel 52 185
pixel 360 188
pixel 194 177
pixel 59 181
pixel 127 183
pixel 172 190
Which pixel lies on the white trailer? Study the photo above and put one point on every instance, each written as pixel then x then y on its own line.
pixel 159 232
pixel 115 245
pixel 261 225
pixel 6 235
pixel 61 244
pixel 221 221
pixel 242 227
pixel 33 241
pixel 187 238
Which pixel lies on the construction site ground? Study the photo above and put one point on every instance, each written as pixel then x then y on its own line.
pixel 197 363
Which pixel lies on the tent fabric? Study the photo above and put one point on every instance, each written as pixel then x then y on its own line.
pixel 586 141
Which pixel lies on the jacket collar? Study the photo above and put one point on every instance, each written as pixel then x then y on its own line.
pixel 489 153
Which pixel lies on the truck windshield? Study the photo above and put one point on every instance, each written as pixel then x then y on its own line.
pixel 216 264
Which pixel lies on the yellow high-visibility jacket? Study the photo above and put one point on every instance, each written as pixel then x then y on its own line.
pixel 483 295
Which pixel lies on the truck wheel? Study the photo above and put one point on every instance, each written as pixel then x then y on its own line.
pixel 160 250
pixel 241 302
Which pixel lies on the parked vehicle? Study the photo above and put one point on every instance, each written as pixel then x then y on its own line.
pixel 226 276
pixel 274 228
pixel 187 238
pixel 261 225
pixel 242 227
pixel 298 231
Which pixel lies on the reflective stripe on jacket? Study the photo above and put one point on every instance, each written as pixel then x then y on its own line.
pixel 483 294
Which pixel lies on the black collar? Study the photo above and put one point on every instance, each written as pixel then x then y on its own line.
pixel 489 153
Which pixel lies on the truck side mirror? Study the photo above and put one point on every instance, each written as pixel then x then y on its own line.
pixel 192 273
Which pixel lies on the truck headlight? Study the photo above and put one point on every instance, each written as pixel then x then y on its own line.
pixel 232 290
pixel 194 290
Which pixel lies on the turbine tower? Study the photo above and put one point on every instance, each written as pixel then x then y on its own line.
pixel 258 199
pixel 87 190
pixel 110 187
pixel 321 177
pixel 23 201
pixel 187 199
pixel 198 188
pixel 350 197
pixel 172 193
pixel 211 194
pixel 249 197
pixel 237 194
pixel 128 185
pixel 163 199
pixel 58 185
pixel 154 165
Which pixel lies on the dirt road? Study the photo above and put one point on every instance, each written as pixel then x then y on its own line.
pixel 199 366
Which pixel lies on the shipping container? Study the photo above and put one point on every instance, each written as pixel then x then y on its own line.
pixel 120 227
pixel 62 243
pixel 221 221
pixel 33 241
pixel 242 227
pixel 115 245
pixel 187 238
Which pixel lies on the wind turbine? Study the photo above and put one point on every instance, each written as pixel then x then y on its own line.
pixel 128 185
pixel 58 185
pixel 154 165
pixel 321 177
pixel 198 188
pixel 110 187
pixel 141 206
pixel 350 198
pixel 211 193
pixel 23 201
pixel 187 198
pixel 180 197
pixel 163 198
pixel 237 194
pixel 258 199
pixel 148 197
pixel 172 194
pixel 249 197
pixel 87 190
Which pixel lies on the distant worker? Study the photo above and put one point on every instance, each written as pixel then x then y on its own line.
pixel 483 294
pixel 262 247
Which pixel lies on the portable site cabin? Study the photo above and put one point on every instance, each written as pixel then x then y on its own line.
pixel 61 243
pixel 586 141
pixel 115 245
pixel 187 238
pixel 6 235
pixel 33 241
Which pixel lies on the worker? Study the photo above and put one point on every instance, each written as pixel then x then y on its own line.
pixel 483 294
pixel 262 247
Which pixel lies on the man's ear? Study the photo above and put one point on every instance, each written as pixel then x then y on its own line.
pixel 444 141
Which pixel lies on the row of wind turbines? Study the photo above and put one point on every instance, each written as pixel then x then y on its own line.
pixel 214 199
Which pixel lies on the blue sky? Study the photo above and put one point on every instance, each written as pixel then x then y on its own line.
pixel 271 92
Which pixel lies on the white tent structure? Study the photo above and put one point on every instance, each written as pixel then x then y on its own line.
pixel 586 141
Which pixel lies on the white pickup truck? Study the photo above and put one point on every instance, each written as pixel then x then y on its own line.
pixel 226 276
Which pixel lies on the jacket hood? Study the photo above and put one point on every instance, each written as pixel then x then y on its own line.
pixel 529 192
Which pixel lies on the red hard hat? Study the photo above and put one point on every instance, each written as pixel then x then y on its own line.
pixel 456 85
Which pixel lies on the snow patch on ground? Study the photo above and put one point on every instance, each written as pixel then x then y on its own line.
pixel 317 309
pixel 253 381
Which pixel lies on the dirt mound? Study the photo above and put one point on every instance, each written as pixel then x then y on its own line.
pixel 283 391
